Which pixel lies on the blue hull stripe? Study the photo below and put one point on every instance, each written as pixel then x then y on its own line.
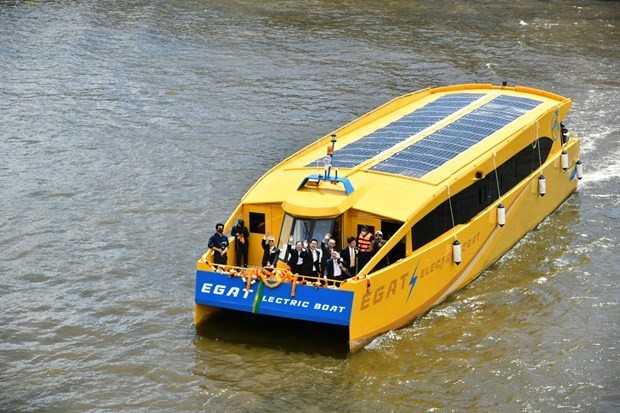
pixel 322 305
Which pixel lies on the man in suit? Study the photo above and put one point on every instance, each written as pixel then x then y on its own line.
pixel 312 260
pixel 328 245
pixel 295 256
pixel 335 269
pixel 349 255
pixel 270 251
pixel 241 234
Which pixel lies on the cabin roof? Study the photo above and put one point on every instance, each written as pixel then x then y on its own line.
pixel 410 146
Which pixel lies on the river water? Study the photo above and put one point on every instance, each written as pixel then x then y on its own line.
pixel 129 128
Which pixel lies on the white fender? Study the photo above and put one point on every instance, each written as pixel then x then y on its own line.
pixel 564 160
pixel 501 215
pixel 542 185
pixel 456 252
pixel 579 169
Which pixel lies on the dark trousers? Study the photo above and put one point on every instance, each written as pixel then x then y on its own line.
pixel 241 250
pixel 220 259
pixel 363 258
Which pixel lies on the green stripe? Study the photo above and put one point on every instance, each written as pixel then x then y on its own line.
pixel 258 298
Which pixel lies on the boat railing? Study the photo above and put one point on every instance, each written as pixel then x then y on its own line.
pixel 273 277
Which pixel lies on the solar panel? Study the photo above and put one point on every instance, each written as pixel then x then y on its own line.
pixel 446 143
pixel 400 130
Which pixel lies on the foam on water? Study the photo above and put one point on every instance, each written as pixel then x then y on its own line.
pixel 606 169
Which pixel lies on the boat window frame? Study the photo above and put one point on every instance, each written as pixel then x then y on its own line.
pixel 309 232
pixel 257 222
pixel 510 173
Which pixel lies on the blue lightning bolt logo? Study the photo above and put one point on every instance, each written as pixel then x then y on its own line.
pixel 413 279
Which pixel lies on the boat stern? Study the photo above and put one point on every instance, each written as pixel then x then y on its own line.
pixel 216 290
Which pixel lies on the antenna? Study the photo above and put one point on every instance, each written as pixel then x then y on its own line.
pixel 328 159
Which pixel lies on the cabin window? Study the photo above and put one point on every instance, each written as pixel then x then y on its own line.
pixel 477 197
pixel 303 229
pixel 398 251
pixel 257 222
pixel 527 161
pixel 431 226
pixel 482 195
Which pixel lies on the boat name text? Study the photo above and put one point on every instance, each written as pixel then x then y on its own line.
pixel 224 290
pixel 379 294
pixel 439 263
pixel 385 291
pixel 221 289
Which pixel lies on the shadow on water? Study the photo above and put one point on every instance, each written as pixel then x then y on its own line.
pixel 277 333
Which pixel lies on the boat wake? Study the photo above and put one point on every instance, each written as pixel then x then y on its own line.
pixel 605 170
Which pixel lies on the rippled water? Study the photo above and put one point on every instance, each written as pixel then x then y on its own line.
pixel 128 128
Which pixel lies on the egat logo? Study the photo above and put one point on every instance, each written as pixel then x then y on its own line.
pixel 223 290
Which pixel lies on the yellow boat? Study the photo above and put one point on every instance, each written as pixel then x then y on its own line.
pixel 452 176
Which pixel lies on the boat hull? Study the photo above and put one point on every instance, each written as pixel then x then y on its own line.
pixel 411 287
pixel 472 172
pixel 304 302
pixel 396 295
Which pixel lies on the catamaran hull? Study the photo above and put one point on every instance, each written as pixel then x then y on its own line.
pixel 407 289
pixel 399 295
pixel 455 177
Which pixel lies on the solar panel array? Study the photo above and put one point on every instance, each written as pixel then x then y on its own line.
pixel 446 143
pixel 400 130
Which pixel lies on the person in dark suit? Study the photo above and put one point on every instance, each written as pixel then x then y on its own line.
pixel 295 256
pixel 349 255
pixel 328 245
pixel 311 266
pixel 271 252
pixel 377 244
pixel 335 269
pixel 241 234
pixel 219 244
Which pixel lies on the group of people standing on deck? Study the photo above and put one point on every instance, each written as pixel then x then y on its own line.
pixel 307 259
pixel 327 261
pixel 219 244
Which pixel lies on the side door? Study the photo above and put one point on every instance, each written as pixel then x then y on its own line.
pixel 260 223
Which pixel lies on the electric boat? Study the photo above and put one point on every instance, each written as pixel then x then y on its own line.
pixel 452 176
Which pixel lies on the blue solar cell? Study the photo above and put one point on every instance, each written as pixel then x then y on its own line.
pixel 446 143
pixel 400 130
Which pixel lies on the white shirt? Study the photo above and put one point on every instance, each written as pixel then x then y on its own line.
pixel 337 270
pixel 315 258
